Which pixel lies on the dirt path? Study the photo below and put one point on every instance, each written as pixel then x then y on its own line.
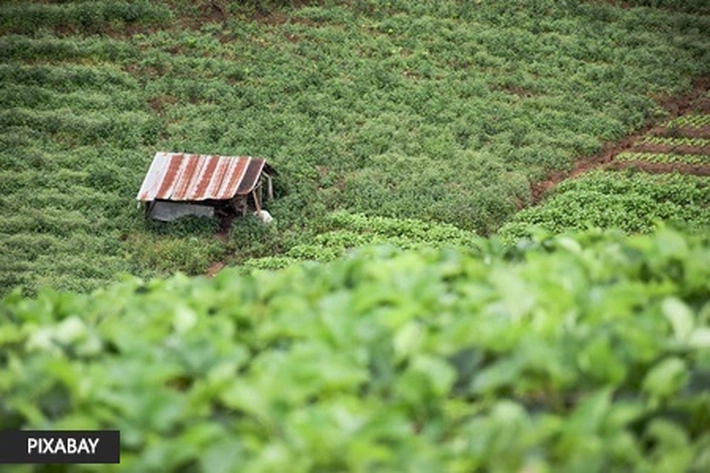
pixel 215 268
pixel 694 101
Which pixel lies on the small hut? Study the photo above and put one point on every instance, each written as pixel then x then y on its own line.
pixel 224 187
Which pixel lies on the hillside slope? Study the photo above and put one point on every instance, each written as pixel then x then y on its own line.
pixel 443 112
pixel 585 353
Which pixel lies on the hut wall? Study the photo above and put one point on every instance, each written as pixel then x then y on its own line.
pixel 169 211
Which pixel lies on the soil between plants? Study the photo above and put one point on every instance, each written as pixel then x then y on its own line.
pixel 696 101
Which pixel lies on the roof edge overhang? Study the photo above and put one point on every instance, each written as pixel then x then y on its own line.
pixel 183 177
pixel 251 176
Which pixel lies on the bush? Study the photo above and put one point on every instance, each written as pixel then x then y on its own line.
pixel 628 201
pixel 590 353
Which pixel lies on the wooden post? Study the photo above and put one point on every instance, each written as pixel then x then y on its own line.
pixel 269 186
pixel 257 204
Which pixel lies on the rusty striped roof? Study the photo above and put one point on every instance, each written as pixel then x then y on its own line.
pixel 184 177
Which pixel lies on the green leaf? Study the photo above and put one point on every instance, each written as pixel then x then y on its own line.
pixel 70 330
pixel 502 373
pixel 184 319
pixel 669 435
pixel 672 451
pixel 621 414
pixel 408 339
pixel 598 359
pixel 680 316
pixel 569 244
pixel 700 339
pixel 441 375
pixel 590 414
pixel 666 378
pixel 246 398
pixel 10 334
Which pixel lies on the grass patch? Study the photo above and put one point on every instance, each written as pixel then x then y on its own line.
pixel 439 112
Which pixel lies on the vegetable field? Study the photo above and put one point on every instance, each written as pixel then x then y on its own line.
pixel 588 353
pixel 433 112
pixel 664 176
pixel 490 252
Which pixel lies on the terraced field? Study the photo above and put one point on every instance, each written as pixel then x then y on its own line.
pixel 662 175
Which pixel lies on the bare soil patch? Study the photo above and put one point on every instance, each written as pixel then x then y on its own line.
pixel 694 101
pixel 682 132
pixel 669 149
pixel 609 151
pixel 215 268
pixel 157 104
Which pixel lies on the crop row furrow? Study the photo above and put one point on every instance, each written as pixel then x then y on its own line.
pixel 87 16
pixel 69 78
pixel 664 158
pixel 693 120
pixel 43 98
pixel 676 141
pixel 55 49
pixel 127 129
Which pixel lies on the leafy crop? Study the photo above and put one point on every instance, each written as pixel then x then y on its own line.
pixel 692 120
pixel 629 201
pixel 665 158
pixel 677 141
pixel 690 6
pixel 86 16
pixel 584 353
pixel 346 232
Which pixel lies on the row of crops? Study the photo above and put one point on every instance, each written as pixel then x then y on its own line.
pixel 347 232
pixel 671 141
pixel 693 120
pixel 669 158
pixel 629 199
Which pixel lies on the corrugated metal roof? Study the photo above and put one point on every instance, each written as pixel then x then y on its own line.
pixel 183 177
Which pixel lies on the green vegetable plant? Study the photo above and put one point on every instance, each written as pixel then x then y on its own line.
pixel 669 158
pixel 436 112
pixel 584 352
pixel 633 202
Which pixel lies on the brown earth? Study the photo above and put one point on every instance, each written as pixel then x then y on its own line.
pixel 696 101
pixel 609 151
pixel 682 132
pixel 215 268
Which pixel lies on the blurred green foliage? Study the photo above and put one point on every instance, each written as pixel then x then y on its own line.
pixel 586 352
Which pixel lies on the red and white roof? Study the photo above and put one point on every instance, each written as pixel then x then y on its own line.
pixel 194 177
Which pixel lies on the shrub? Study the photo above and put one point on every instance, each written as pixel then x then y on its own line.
pixel 589 352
